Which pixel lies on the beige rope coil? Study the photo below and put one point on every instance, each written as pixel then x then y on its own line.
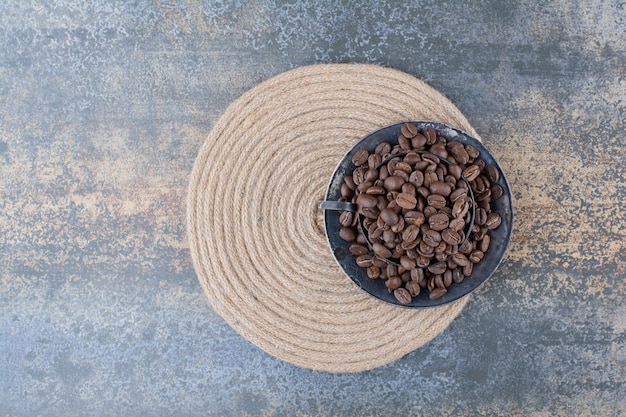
pixel 257 236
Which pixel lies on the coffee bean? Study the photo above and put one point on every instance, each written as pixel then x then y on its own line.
pixel 475 256
pixel 404 142
pixel 496 192
pixel 360 157
pixel 373 272
pixel 346 218
pixel 431 238
pixel 407 262
pixel 460 259
pixel 382 148
pixel 408 129
pixel 437 201
pixel 492 173
pixel 375 190
pixel 406 201
pixel 471 172
pixel 493 221
pixel 468 269
pixel 457 276
pixel 438 222
pixel 431 136
pixel 414 218
pixel 393 282
pixel 358 250
pixel 418 142
pixel 370 212
pixel 484 243
pixel 389 216
pixel 457 224
pixel 451 237
pixel 348 234
pixel 410 233
pixel 458 194
pixel 371 175
pixel 366 201
pixel 399 226
pixel 413 288
pixel 438 268
pixel 460 208
pixel 441 188
pixel 381 250
pixel 362 187
pixel 364 261
pixel 412 158
pixel 403 166
pixel 402 295
pixel 472 152
pixel 447 278
pixel 374 160
pixel 437 293
pixel 393 183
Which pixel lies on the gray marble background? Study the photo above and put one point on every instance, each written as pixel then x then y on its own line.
pixel 103 107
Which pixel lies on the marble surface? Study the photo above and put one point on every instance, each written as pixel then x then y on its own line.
pixel 103 107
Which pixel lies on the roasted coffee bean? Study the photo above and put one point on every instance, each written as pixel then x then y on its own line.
pixel 484 243
pixel 423 191
pixel 493 221
pixel 484 196
pixel 373 272
pixel 412 158
pixel 406 201
pixel 349 181
pixel 458 194
pixel 381 250
pixel 382 148
pixel 492 173
pixel 348 234
pixel 362 187
pixel 389 216
pixel 389 236
pixel 429 178
pixel 437 293
pixel 456 224
pixel 371 175
pixel 346 192
pixel 407 262
pixel 379 262
pixel 414 218
pixel 402 295
pixel 393 282
pixel 431 136
pixel 496 192
pixel 374 160
pixel 460 259
pixel 408 188
pixel 366 201
pixel 408 129
pixel 460 155
pixel 358 250
pixel 437 201
pixel 438 222
pixel 457 276
pixel 413 288
pixel 451 237
pixel 418 142
pixel 460 208
pixel 476 256
pixel 393 183
pixel 347 218
pixel 404 142
pixel 441 188
pixel 472 152
pixel 410 233
pixel 447 278
pixel 358 176
pixel 431 238
pixel 403 166
pixel 383 173
pixel 360 157
pixel 375 190
pixel 471 172
pixel 364 261
pixel 438 268
pixel 468 269
pixel 399 226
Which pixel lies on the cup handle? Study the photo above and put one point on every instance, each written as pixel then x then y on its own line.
pixel 338 205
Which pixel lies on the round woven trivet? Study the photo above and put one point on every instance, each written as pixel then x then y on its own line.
pixel 257 236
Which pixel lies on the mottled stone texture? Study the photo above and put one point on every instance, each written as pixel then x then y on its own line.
pixel 103 107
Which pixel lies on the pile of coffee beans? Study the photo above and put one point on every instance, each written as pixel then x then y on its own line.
pixel 415 207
